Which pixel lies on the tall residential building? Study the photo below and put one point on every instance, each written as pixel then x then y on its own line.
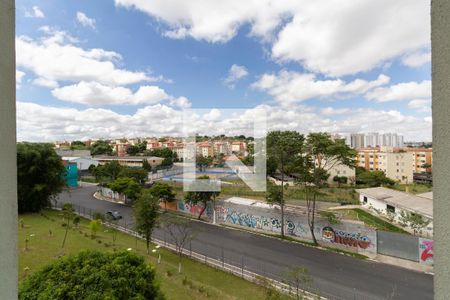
pixel 398 164
pixel 374 139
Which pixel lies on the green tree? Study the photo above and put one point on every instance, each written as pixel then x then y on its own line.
pixel 138 174
pixel 146 213
pixel 78 145
pixel 164 192
pixel 340 180
pixel 94 226
pixel 109 171
pixel 415 221
pixel 203 198
pixel 146 165
pixel 39 176
pixel 322 154
pixel 68 216
pixel 93 275
pixel 127 186
pixel 284 149
pixel 133 150
pixel 203 162
pixel 101 147
pixel 250 158
pixel 372 178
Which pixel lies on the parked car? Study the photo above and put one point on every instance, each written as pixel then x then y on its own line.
pixel 114 215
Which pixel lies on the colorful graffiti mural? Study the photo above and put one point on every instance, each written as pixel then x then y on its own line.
pixel 345 238
pixel 193 209
pixel 426 251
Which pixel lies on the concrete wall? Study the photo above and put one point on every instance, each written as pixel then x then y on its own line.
pixel 8 174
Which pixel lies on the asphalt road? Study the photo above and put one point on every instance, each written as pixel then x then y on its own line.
pixel 336 276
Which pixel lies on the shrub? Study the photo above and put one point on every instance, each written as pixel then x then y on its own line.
pixel 93 275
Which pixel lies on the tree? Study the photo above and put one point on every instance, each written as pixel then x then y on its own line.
pixel 39 176
pixel 133 150
pixel 93 275
pixel 78 145
pixel 146 165
pixel 284 148
pixel 146 213
pixel 250 158
pixel 322 154
pixel 299 278
pixel 203 162
pixel 340 180
pixel 195 198
pixel 101 147
pixel 138 174
pixel 94 226
pixel 180 232
pixel 68 216
pixel 110 171
pixel 163 192
pixel 415 221
pixel 372 178
pixel 127 186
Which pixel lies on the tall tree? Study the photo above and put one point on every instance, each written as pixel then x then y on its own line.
pixel 164 192
pixel 39 176
pixel 322 154
pixel 202 198
pixel 127 186
pixel 101 147
pixel 284 150
pixel 109 171
pixel 138 174
pixel 68 217
pixel 146 213
pixel 78 145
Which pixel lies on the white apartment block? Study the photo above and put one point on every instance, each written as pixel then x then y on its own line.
pixel 374 139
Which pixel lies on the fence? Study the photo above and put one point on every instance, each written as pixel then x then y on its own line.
pixel 239 263
pixel 398 245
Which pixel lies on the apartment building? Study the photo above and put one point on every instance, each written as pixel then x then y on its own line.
pixel 205 149
pixel 422 159
pixel 374 139
pixel 396 163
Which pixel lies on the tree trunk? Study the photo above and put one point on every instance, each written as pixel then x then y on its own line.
pixel 201 213
pixel 313 220
pixel 65 234
pixel 282 195
pixel 147 240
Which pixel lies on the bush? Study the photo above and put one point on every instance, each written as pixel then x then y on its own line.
pixel 93 275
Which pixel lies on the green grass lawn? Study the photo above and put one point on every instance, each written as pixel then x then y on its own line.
pixel 202 282
pixel 414 188
pixel 371 220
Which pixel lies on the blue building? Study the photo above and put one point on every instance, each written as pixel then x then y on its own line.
pixel 71 174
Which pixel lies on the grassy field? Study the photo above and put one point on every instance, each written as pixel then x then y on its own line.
pixel 370 220
pixel 197 281
pixel 413 188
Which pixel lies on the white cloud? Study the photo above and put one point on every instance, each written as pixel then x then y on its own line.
pixel 288 87
pixel 35 13
pixel 235 73
pixel 19 76
pixel 331 37
pixel 56 58
pixel 43 123
pixel 85 20
pixel 416 59
pixel 401 91
pixel 420 105
pixel 94 93
pixel 181 102
pixel 45 82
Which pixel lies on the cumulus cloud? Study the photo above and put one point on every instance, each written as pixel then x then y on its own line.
pixel 19 76
pixel 235 73
pixel 416 59
pixel 55 57
pixel 420 105
pixel 35 13
pixel 288 86
pixel 321 35
pixel 401 91
pixel 43 123
pixel 94 93
pixel 85 20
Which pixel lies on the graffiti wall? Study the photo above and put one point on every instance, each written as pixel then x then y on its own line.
pixel 194 209
pixel 350 236
pixel 426 251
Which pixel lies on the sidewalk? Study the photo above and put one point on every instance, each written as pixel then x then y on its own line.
pixel 97 195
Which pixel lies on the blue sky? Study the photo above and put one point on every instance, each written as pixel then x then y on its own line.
pixel 318 66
